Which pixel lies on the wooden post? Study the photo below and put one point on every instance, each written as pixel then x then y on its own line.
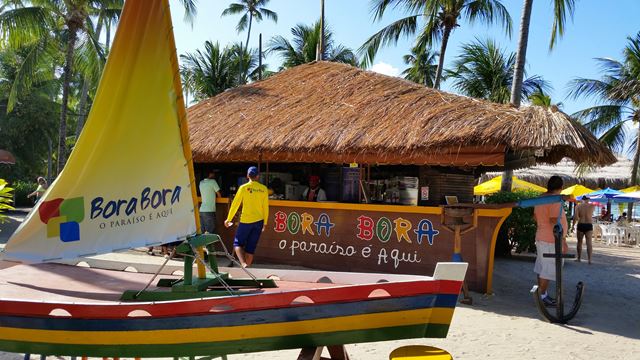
pixel 260 56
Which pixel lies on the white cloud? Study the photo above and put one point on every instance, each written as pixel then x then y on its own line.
pixel 386 69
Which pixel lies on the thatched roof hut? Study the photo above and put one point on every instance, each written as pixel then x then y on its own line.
pixel 615 176
pixel 330 112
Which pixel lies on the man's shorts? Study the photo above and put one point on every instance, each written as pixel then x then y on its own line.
pixel 545 266
pixel 584 227
pixel 247 236
pixel 208 222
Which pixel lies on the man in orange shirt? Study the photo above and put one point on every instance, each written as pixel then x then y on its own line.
pixel 546 217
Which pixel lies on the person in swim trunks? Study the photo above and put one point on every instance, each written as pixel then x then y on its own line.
pixel 584 226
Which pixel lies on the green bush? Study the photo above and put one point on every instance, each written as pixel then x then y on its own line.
pixel 518 231
pixel 5 199
pixel 21 189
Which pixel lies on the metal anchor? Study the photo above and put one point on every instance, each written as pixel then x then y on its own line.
pixel 560 317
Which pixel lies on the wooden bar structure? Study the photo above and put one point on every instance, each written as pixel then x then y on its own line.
pixel 373 238
pixel 326 114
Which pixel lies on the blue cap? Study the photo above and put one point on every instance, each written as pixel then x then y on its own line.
pixel 253 171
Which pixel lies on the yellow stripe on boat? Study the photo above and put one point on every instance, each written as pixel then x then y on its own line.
pixel 440 316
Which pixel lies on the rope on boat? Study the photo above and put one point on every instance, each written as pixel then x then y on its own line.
pixel 171 255
pixel 196 255
pixel 236 262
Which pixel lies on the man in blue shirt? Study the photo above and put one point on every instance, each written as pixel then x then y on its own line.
pixel 209 189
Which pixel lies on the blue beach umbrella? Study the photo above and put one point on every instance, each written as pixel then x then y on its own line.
pixel 604 195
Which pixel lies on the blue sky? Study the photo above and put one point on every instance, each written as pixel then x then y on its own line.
pixel 599 29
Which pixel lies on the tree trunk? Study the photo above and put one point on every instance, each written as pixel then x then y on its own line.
pixel 443 49
pixel 634 174
pixel 320 47
pixel 108 44
pixel 49 160
pixel 82 107
pixel 242 77
pixel 68 66
pixel 246 46
pixel 518 76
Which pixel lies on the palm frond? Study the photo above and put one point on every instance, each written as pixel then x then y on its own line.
pixel 269 14
pixel 234 9
pixel 561 9
pixel 581 87
pixel 22 26
pixel 390 34
pixel 242 23
pixel 614 137
pixel 489 12
pixel 30 69
pixel 601 117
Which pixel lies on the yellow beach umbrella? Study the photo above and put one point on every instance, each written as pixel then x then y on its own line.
pixel 493 186
pixel 631 189
pixel 576 190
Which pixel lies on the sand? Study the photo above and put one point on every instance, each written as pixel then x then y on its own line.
pixel 506 325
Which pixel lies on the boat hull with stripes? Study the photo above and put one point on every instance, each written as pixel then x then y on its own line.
pixel 308 309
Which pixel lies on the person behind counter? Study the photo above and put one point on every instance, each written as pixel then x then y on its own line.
pixel 209 189
pixel 254 198
pixel 314 192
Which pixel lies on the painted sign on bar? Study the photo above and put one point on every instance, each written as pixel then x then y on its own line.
pixel 368 238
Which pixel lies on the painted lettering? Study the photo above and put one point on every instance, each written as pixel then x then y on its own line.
pixel 365 228
pixel 402 229
pixel 307 221
pixel 383 229
pixel 324 222
pixel 293 223
pixel 425 228
pixel 280 222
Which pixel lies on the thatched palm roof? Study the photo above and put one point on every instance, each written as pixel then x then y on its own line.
pixel 330 112
pixel 615 176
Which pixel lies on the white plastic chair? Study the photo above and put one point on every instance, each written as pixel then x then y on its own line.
pixel 597 233
pixel 609 234
pixel 633 235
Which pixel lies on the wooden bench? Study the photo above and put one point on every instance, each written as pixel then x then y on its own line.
pixel 419 352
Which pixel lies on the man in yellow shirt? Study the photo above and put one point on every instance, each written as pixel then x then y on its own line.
pixel 255 211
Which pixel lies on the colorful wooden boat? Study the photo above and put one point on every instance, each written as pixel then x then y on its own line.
pixel 124 187
pixel 307 309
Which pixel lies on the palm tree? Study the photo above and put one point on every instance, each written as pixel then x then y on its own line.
pixel 484 71
pixel 422 66
pixel 47 26
pixel 618 101
pixel 561 8
pixel 214 69
pixel 250 9
pixel 211 70
pixel 34 24
pixel 540 98
pixel 302 49
pixel 92 54
pixel 247 60
pixel 441 17
pixel 188 84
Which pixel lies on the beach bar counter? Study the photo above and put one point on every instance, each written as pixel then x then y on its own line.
pixel 396 160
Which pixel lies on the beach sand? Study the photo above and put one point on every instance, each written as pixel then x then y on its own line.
pixel 506 325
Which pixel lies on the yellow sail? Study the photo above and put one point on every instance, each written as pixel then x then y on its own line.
pixel 129 180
